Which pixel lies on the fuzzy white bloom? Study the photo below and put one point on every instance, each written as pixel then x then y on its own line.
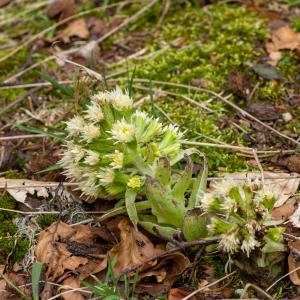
pixel 143 115
pixel 249 244
pixel 101 98
pixel 224 186
pixel 106 176
pixel 174 130
pixel 94 112
pixel 229 205
pixel 89 185
pixel 73 172
pixel 207 200
pixel 119 99
pixel 75 125
pixel 229 242
pixel 295 218
pixel 76 151
pixel 90 132
pixel 123 132
pixel 264 193
pixel 92 158
pixel 117 159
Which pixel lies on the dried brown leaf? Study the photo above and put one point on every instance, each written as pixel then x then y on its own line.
pixel 76 28
pixel 61 8
pixel 284 211
pixel 293 262
pixel 75 284
pixel 178 294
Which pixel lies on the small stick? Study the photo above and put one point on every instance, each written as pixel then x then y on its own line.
pixel 257 288
pixel 259 166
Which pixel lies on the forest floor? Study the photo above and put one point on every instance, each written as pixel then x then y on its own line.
pixel 226 72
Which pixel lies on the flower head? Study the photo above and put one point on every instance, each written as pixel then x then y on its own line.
pixel 75 125
pixel 120 100
pixel 207 201
pixel 90 132
pixel 117 160
pixel 106 176
pixel 224 187
pixel 101 98
pixel 92 158
pixel 229 242
pixel 134 182
pixel 249 244
pixel 94 112
pixel 123 132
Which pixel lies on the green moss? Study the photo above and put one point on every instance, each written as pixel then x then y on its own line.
pixel 10 243
pixel 46 220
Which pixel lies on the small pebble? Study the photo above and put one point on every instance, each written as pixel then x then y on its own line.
pixel 287 117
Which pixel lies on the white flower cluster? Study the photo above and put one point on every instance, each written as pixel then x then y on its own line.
pixel 111 146
pixel 240 210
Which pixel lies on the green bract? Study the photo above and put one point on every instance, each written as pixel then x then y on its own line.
pixel 174 197
pixel 241 216
pixel 112 147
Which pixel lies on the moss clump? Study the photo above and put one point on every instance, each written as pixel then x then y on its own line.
pixel 46 220
pixel 10 243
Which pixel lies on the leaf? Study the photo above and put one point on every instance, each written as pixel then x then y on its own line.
pixel 267 71
pixel 163 171
pixel 177 294
pixel 76 28
pixel 36 274
pixel 61 8
pixel 154 229
pixel 194 224
pixel 130 196
pixel 293 262
pixel 281 184
pixel 62 87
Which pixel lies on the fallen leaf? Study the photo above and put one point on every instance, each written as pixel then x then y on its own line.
pixel 282 38
pixel 178 294
pixel 96 26
pixel 61 8
pixel 267 71
pixel 4 2
pixel 284 211
pixel 293 163
pixel 263 111
pixel 76 28
pixel 75 284
pixel 283 188
pixel 20 188
pixel 293 262
pixel 70 250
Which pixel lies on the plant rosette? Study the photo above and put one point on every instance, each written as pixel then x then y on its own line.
pixel 240 214
pixel 112 147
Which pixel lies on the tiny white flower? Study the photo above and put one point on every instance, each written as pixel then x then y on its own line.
pixel 119 99
pixel 73 172
pixel 174 130
pixel 249 244
pixel 90 132
pixel 117 160
pixel 89 184
pixel 229 242
pixel 92 158
pixel 229 205
pixel 75 125
pixel 101 98
pixel 106 176
pixel 123 132
pixel 77 152
pixel 295 218
pixel 143 115
pixel 94 112
pixel 223 187
pixel 207 200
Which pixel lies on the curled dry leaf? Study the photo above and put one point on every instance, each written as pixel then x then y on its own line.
pixel 281 184
pixel 76 28
pixel 20 188
pixel 294 262
pixel 70 250
pixel 61 8
pixel 282 38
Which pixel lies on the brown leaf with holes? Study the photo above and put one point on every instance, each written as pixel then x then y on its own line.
pixel 77 28
pixel 61 8
pixel 70 250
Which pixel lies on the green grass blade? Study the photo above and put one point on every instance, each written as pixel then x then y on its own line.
pixel 36 274
pixel 62 87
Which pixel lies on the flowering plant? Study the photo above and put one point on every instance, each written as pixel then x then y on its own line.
pixel 241 216
pixel 112 147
